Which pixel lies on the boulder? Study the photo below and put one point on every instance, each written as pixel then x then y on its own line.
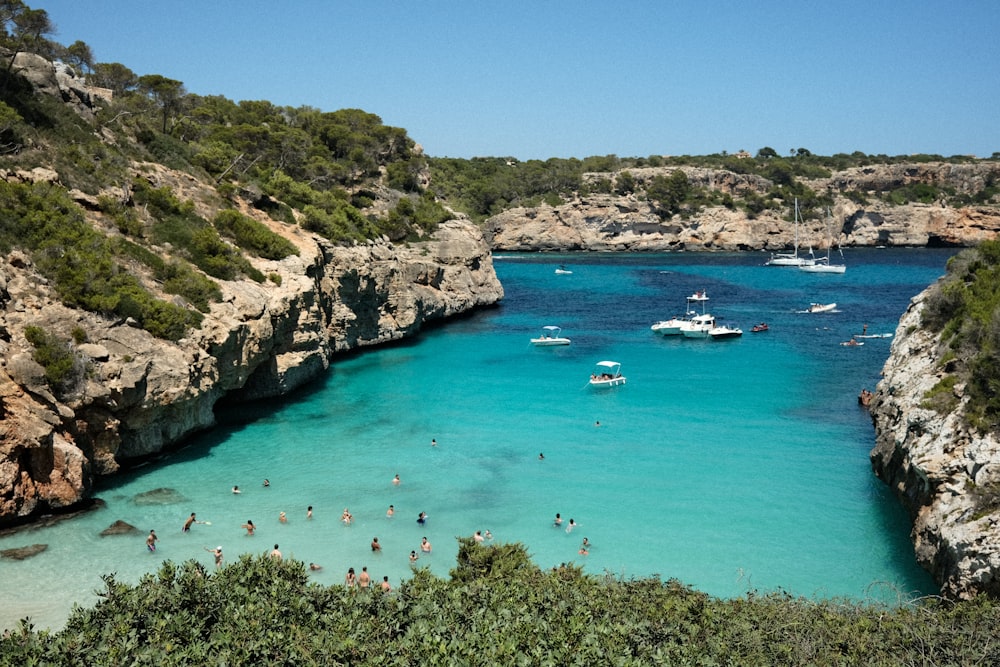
pixel 20 553
pixel 119 527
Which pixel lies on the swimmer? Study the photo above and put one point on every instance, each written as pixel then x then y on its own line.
pixel 151 540
pixel 347 517
pixel 275 554
pixel 350 580
pixel 396 480
pixel 422 518
pixel 558 520
pixel 249 528
pixel 571 526
pixel 314 567
pixel 309 512
pixel 236 490
pixel 488 535
pixel 413 556
pixel 389 512
pixel 364 579
pixel 434 443
pixel 376 547
pixel 386 586
pixel 541 456
pixel 425 546
pixel 282 517
pixel 267 482
pixel 217 552
pixel 188 523
pixel 586 544
pixel 478 537
pixel 597 423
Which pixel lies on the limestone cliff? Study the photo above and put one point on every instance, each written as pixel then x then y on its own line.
pixel 604 222
pixel 937 465
pixel 144 394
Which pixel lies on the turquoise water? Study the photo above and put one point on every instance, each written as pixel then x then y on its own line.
pixel 730 465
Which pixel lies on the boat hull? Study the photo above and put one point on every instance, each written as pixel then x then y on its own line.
pixel 611 382
pixel 669 327
pixel 822 307
pixel 789 260
pixel 549 342
pixel 824 268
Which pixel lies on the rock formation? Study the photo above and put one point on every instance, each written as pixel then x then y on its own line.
pixel 607 222
pixel 941 469
pixel 143 395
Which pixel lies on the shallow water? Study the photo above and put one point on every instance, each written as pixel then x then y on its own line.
pixel 731 466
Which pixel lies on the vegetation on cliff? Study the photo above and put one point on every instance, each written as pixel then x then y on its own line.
pixel 964 309
pixel 150 249
pixel 495 608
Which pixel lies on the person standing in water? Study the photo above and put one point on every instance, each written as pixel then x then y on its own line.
pixel 217 552
pixel 249 528
pixel 188 523
pixel 151 540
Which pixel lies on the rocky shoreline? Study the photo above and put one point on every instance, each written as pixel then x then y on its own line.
pixel 610 222
pixel 937 466
pixel 144 395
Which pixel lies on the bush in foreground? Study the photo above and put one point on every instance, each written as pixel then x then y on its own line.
pixel 495 608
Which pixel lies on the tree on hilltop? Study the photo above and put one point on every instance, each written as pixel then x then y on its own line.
pixel 166 93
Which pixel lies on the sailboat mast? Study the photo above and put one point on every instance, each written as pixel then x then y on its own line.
pixel 796 227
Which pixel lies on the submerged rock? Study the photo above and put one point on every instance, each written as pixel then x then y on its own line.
pixel 20 553
pixel 160 496
pixel 119 527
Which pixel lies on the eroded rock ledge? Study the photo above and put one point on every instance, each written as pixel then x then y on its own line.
pixel 144 395
pixel 937 466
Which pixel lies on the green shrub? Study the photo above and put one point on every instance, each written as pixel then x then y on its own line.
pixel 253 236
pixel 63 368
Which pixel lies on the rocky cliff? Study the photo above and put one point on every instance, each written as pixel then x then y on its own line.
pixel 942 471
pixel 603 222
pixel 143 395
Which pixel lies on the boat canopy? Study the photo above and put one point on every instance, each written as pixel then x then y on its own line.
pixel 613 365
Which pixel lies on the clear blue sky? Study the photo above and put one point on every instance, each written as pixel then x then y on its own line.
pixel 545 78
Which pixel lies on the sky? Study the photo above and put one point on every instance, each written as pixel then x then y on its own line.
pixel 549 78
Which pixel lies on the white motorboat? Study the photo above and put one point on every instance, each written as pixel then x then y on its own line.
pixel 672 327
pixel 607 374
pixel 821 307
pixel 698 326
pixel 724 331
pixel 551 335
pixel 563 271
pixel 791 258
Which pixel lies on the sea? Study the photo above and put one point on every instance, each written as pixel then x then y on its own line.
pixel 735 467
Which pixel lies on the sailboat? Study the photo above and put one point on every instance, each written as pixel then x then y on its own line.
pixel 792 258
pixel 823 265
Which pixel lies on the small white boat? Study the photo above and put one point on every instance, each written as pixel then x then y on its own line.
pixel 821 307
pixel 699 326
pixel 607 374
pixel 724 331
pixel 671 327
pixel 551 335
pixel 700 295
pixel 882 335
pixel 563 271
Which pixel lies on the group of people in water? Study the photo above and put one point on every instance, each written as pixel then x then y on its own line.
pixel 360 580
